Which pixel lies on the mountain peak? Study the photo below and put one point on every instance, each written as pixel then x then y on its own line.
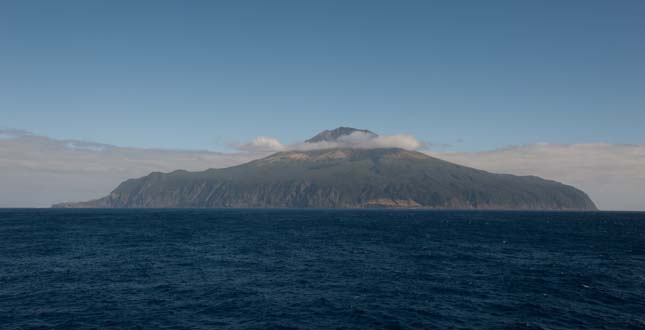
pixel 334 134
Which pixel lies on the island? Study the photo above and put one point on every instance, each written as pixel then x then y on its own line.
pixel 342 177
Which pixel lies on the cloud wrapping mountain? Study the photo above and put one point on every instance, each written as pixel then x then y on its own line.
pixel 356 140
pixel 361 140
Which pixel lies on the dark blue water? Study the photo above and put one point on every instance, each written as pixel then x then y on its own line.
pixel 261 269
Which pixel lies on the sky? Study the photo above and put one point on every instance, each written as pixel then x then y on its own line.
pixel 461 76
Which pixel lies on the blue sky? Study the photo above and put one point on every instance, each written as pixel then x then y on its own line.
pixel 472 75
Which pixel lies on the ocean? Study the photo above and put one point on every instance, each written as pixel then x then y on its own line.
pixel 321 269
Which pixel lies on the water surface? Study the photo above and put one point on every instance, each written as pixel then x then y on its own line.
pixel 321 269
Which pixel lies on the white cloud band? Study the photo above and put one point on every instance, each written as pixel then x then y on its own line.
pixel 358 140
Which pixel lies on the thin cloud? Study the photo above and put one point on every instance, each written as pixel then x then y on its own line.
pixel 37 171
pixel 262 144
pixel 612 174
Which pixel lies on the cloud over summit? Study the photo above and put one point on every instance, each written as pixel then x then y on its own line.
pixel 358 140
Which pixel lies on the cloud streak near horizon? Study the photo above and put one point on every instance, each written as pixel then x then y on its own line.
pixel 37 171
pixel 613 175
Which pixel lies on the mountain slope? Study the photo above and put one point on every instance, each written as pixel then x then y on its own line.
pixel 344 178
